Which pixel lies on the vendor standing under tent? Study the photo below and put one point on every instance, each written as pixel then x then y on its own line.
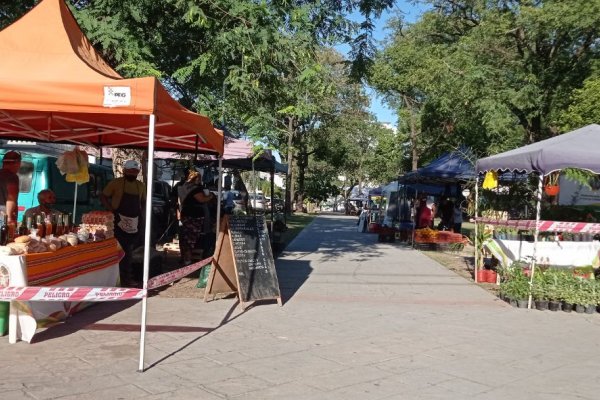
pixel 194 214
pixel 125 197
pixel 446 215
pixel 425 214
pixel 9 185
pixel 458 218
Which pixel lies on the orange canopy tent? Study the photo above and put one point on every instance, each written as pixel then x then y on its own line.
pixel 55 87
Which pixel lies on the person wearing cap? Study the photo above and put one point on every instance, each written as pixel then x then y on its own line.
pixel 125 197
pixel 9 185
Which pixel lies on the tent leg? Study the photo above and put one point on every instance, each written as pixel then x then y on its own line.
pixel 476 225
pixel 538 208
pixel 272 198
pixel 74 204
pixel 219 197
pixel 148 229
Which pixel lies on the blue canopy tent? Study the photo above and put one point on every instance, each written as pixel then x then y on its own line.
pixel 442 177
pixel 452 167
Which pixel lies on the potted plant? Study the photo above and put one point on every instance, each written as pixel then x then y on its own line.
pixel 514 286
pixel 585 296
pixel 483 236
pixel 552 279
pixel 539 292
pixel 567 290
pixel 521 288
pixel 511 234
pixel 551 188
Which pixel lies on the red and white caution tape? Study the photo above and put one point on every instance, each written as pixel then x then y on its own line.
pixel 545 226
pixel 56 293
pixel 172 276
pixel 85 293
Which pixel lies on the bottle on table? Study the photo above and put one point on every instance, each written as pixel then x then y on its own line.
pixel 23 228
pixel 12 230
pixel 67 223
pixel 48 223
pixel 41 226
pixel 59 225
pixel 4 231
pixel 29 224
pixel 54 222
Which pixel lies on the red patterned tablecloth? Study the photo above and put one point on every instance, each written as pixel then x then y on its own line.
pixel 50 268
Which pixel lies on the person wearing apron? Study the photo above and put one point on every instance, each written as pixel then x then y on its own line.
pixel 124 196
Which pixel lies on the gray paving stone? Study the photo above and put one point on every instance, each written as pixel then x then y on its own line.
pixel 361 320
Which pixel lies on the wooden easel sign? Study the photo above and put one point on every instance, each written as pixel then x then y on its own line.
pixel 243 261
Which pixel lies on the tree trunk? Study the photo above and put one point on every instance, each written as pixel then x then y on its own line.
pixel 119 156
pixel 290 161
pixel 302 162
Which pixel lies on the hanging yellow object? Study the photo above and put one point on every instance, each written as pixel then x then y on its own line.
pixel 491 180
pixel 74 164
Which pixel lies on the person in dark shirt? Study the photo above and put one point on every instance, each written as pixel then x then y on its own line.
pixel 193 206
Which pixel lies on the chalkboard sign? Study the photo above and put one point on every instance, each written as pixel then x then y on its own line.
pixel 243 261
pixel 254 262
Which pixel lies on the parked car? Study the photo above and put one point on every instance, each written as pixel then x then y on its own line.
pixel 276 204
pixel 256 201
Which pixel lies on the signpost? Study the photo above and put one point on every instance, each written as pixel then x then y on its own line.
pixel 243 261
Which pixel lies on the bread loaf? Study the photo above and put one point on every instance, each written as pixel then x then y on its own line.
pixel 22 239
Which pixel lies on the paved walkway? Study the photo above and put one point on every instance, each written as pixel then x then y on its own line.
pixel 360 320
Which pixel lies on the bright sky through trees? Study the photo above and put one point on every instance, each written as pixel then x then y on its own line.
pixel 411 12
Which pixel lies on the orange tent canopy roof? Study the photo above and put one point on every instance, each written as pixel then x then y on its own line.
pixel 55 87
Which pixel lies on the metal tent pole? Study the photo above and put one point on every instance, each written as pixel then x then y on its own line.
pixel 538 208
pixel 219 197
pixel 272 197
pixel 476 225
pixel 74 203
pixel 148 228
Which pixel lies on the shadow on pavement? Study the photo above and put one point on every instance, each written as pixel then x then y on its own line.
pixel 82 319
pixel 291 275
pixel 226 319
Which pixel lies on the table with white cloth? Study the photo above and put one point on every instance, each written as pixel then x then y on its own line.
pixel 555 253
pixel 92 264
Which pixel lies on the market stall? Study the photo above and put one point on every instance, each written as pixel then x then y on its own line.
pixel 433 187
pixel 54 87
pixel 93 264
pixel 545 158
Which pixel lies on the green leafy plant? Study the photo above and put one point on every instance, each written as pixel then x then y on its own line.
pixel 539 288
pixel 481 237
pixel 514 283
pixel 568 288
pixel 552 279
pixel 581 176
